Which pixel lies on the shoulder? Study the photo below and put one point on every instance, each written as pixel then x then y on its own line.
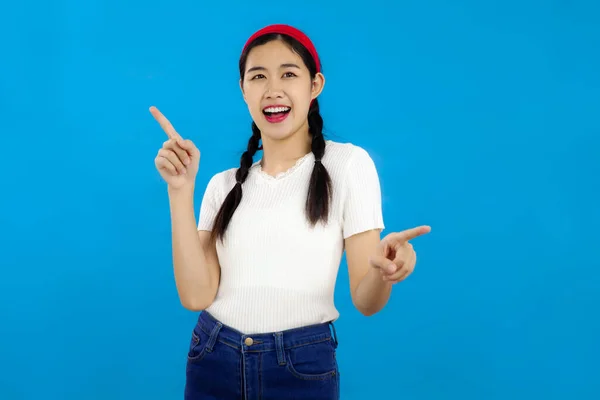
pixel 221 183
pixel 346 156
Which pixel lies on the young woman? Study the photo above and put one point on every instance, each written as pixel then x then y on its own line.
pixel 261 263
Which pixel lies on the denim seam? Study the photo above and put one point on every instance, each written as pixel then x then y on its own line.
pixel 228 343
pixel 288 348
pixel 319 377
pixel 260 376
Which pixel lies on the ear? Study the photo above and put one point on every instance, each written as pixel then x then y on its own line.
pixel 242 89
pixel 317 85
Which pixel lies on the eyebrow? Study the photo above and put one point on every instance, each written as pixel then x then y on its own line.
pixel 259 68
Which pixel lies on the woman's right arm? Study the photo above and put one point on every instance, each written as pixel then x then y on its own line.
pixel 195 261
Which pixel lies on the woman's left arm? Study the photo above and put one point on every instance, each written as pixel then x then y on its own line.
pixel 374 265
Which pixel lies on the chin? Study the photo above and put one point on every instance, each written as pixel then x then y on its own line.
pixel 276 131
pixel 273 133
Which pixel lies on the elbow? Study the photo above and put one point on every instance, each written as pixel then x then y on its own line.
pixel 196 303
pixel 193 305
pixel 196 298
pixel 368 313
pixel 367 310
pixel 367 306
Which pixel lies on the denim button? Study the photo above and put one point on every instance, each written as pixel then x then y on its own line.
pixel 248 341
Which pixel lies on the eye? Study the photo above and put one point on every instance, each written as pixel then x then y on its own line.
pixel 289 75
pixel 259 76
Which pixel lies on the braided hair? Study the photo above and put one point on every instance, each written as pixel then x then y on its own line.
pixel 319 192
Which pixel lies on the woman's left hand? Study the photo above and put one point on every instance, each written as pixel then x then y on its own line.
pixel 396 258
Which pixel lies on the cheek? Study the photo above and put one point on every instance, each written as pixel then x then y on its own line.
pixel 301 108
pixel 252 91
pixel 302 100
pixel 253 99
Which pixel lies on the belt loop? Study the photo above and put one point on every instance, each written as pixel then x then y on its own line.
pixel 335 340
pixel 213 336
pixel 279 347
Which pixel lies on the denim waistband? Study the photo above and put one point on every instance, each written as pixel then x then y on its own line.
pixel 265 341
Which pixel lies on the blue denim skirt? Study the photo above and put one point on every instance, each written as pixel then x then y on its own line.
pixel 224 364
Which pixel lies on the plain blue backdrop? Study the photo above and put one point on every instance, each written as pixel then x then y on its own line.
pixel 482 118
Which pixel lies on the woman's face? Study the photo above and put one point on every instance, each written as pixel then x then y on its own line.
pixel 278 90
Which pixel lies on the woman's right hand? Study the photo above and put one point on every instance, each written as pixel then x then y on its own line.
pixel 178 159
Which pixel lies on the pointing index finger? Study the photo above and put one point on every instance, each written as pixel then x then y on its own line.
pixel 164 123
pixel 410 234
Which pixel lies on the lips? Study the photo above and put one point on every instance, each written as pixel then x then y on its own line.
pixel 276 113
pixel 276 108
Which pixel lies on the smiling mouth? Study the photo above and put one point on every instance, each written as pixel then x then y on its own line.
pixel 276 114
pixel 277 111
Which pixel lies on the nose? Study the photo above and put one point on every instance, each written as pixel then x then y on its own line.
pixel 274 90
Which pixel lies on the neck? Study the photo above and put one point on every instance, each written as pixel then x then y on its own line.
pixel 280 155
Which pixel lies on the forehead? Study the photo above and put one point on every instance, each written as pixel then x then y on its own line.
pixel 272 55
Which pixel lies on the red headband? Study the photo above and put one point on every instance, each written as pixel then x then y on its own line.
pixel 290 31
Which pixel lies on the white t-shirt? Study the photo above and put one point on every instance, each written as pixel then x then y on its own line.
pixel 277 272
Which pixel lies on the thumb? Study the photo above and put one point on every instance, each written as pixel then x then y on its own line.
pixel 188 146
pixel 383 263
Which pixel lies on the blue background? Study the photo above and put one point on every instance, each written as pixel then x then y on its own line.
pixel 482 118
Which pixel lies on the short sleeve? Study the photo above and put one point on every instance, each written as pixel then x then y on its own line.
pixel 210 205
pixel 362 210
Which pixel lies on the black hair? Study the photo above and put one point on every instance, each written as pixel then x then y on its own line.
pixel 319 191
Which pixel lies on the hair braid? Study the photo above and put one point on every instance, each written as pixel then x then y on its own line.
pixel 319 189
pixel 233 199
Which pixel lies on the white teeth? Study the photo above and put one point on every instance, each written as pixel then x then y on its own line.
pixel 276 109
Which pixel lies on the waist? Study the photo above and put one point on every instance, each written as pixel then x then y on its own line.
pixel 261 342
pixel 267 309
